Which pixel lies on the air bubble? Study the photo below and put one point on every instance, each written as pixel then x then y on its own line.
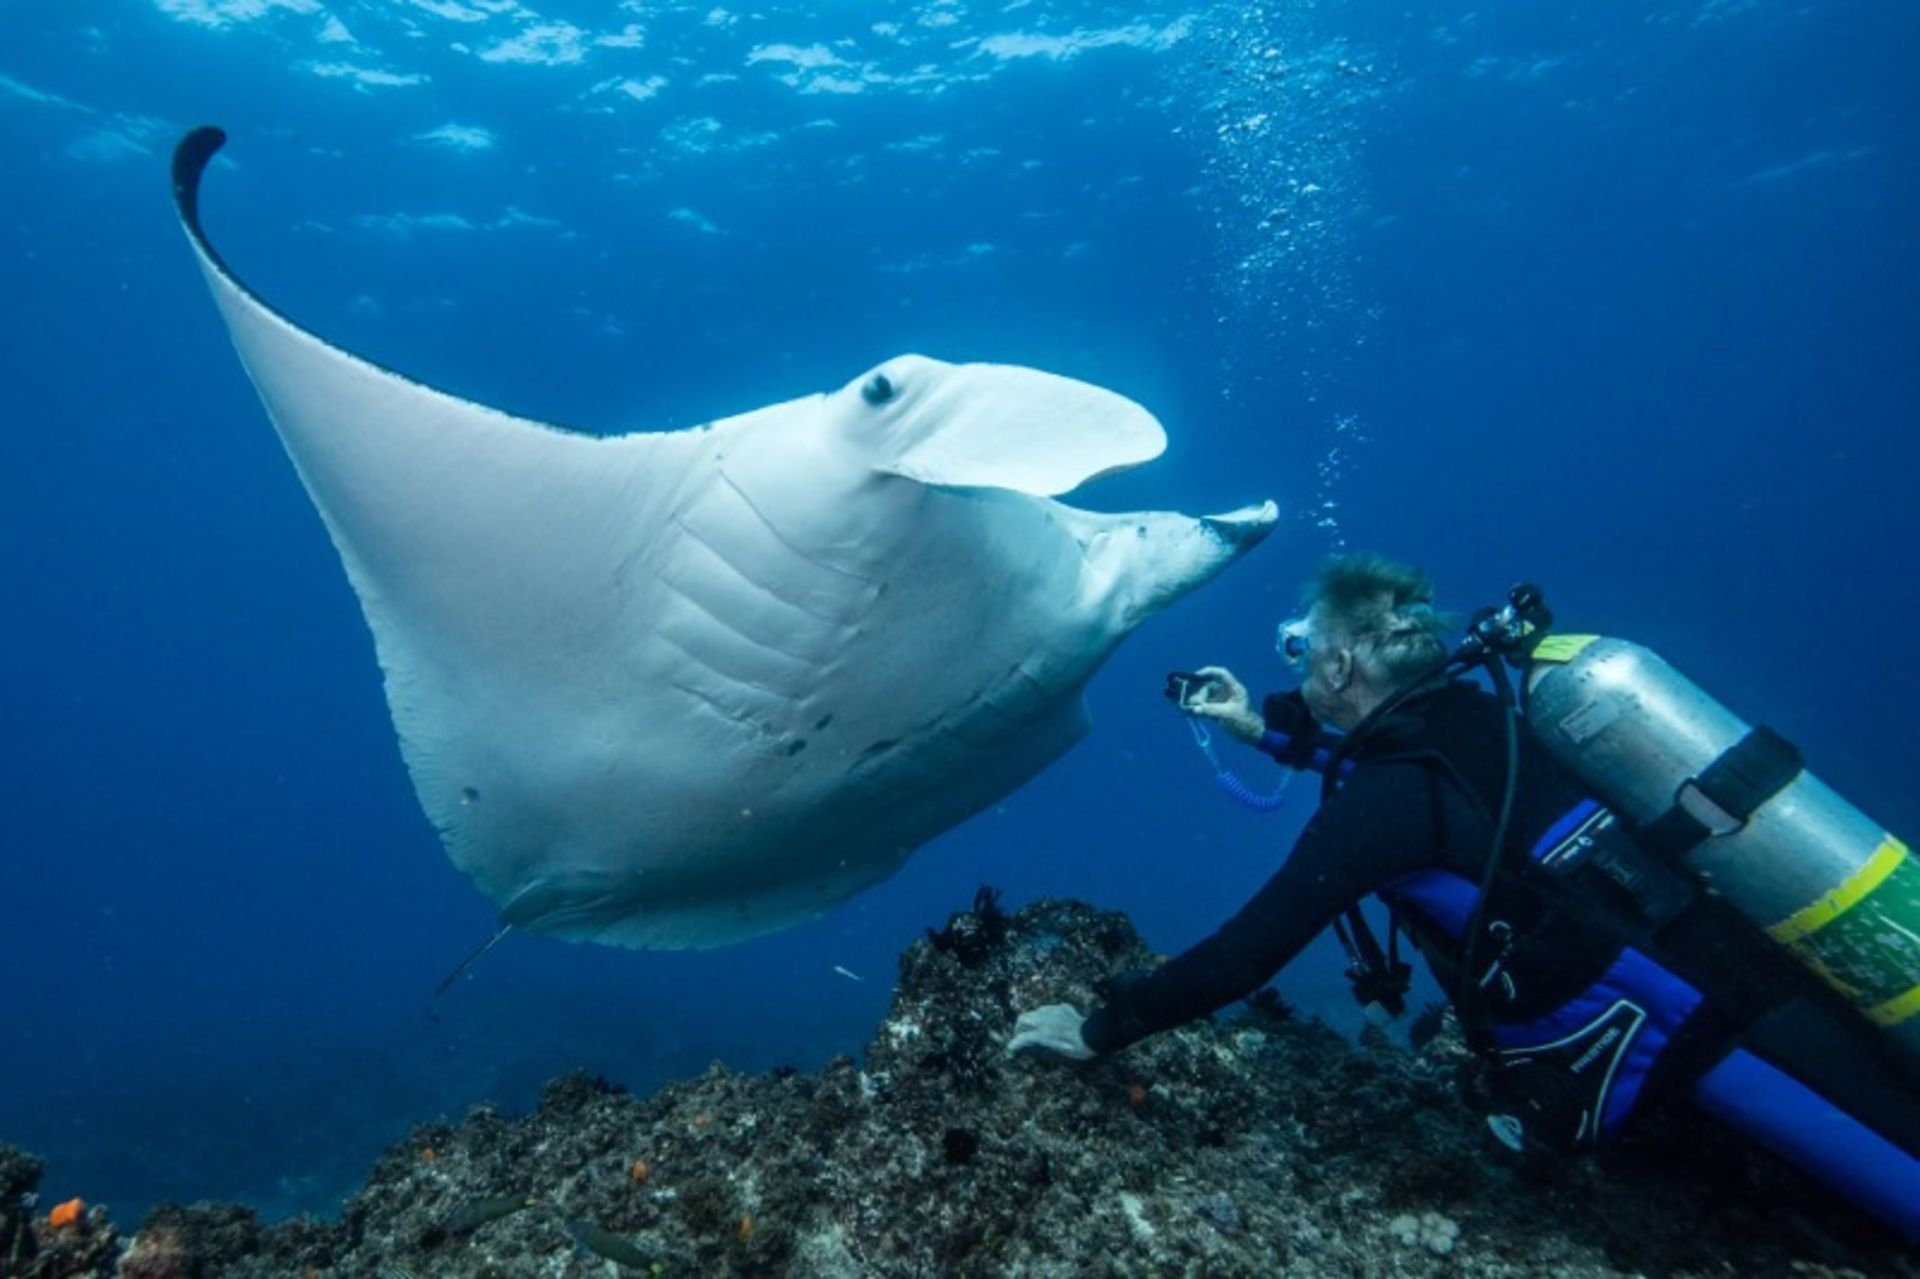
pixel 1278 137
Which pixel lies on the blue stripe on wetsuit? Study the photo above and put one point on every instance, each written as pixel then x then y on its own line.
pixel 1277 745
pixel 1447 899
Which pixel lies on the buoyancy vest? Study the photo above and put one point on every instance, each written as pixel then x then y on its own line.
pixel 1574 1057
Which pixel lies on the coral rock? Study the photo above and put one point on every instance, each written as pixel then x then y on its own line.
pixel 1270 1145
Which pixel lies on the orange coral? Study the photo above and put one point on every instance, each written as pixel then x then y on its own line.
pixel 702 1119
pixel 639 1172
pixel 745 1228
pixel 66 1214
pixel 1136 1095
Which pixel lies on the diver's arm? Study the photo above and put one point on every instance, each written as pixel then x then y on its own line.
pixel 1372 833
pixel 1291 735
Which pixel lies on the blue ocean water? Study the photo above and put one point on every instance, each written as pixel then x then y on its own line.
pixel 1616 297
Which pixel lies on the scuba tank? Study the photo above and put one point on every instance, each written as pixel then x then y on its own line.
pixel 1733 805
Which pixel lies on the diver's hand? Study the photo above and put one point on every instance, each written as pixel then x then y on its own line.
pixel 1228 705
pixel 1054 1028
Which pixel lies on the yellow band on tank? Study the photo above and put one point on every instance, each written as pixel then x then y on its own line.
pixel 1895 1010
pixel 1561 648
pixel 1829 906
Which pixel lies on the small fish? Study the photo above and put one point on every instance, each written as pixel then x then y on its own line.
pixel 848 973
pixel 602 1242
pixel 469 1217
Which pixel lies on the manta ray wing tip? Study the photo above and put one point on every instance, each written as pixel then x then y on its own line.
pixel 191 155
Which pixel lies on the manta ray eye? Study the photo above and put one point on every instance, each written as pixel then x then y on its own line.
pixel 878 390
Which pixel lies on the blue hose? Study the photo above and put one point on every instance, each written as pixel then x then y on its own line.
pixel 1231 784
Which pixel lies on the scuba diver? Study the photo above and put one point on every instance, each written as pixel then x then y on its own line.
pixel 1597 954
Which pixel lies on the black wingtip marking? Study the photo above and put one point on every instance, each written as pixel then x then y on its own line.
pixel 191 156
pixel 190 159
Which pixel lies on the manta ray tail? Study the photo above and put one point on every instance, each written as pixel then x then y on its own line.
pixel 462 968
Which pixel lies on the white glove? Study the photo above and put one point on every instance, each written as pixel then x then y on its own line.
pixel 1228 705
pixel 1054 1028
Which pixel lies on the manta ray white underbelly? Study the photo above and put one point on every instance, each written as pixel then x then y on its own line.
pixel 675 689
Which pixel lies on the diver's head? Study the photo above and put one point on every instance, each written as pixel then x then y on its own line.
pixel 1366 629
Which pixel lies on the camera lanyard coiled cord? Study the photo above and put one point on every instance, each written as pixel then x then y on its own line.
pixel 1229 782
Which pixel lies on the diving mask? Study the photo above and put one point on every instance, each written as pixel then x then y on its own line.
pixel 1292 643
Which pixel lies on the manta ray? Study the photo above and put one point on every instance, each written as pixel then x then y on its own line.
pixel 675 689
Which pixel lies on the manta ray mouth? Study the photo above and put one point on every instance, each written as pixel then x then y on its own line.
pixel 1244 527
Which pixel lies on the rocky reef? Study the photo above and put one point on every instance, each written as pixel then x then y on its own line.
pixel 1258 1144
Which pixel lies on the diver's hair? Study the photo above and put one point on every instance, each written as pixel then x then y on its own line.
pixel 1384 611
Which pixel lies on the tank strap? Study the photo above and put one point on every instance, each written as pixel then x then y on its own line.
pixel 1726 793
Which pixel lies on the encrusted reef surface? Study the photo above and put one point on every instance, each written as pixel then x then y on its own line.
pixel 1258 1145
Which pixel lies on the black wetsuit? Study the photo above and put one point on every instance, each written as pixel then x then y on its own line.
pixel 1422 797
pixel 1399 812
